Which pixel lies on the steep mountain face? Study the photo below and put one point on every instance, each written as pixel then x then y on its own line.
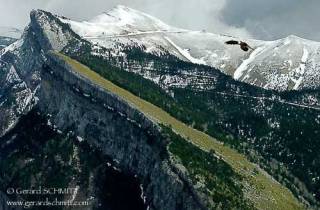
pixel 21 63
pixel 286 64
pixel 117 130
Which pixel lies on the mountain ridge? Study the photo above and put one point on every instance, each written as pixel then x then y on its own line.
pixel 209 49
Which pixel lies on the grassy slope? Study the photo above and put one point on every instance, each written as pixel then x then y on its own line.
pixel 261 189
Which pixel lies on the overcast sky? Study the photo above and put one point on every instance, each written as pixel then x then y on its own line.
pixel 260 19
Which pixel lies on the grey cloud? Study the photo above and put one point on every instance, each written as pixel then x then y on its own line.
pixel 263 19
pixel 273 19
pixel 190 14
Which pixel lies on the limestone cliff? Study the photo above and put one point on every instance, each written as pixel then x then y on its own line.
pixel 119 131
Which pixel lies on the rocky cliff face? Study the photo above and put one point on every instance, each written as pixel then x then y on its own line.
pixel 119 131
pixel 21 63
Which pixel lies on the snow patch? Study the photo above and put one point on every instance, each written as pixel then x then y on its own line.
pixel 301 69
pixel 305 55
pixel 185 53
pixel 244 66
pixel 298 83
pixel 80 139
pixel 12 47
pixel 12 76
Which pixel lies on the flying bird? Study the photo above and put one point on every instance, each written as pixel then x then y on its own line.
pixel 243 45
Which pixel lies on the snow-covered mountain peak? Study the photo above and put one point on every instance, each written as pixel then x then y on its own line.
pixel 293 40
pixel 125 16
pixel 119 21
pixel 293 37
